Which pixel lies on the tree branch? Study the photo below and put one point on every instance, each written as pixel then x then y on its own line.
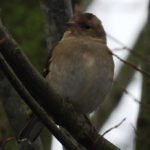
pixel 62 137
pixel 56 14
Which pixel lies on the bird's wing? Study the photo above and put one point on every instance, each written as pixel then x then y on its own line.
pixel 48 61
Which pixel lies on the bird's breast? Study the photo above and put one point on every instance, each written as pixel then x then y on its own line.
pixel 80 71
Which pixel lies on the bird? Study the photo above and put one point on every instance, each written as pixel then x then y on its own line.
pixel 79 68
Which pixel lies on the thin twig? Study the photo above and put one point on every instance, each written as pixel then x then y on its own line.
pixel 140 102
pixel 4 142
pixel 116 126
pixel 124 47
pixel 132 65
pixel 143 58
pixel 118 42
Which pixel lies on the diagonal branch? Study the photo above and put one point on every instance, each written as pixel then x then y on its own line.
pixel 60 135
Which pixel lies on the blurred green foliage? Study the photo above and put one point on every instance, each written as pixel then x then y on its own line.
pixel 24 21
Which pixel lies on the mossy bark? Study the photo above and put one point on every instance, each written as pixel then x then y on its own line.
pixel 143 126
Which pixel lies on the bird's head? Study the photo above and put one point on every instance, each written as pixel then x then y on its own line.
pixel 86 24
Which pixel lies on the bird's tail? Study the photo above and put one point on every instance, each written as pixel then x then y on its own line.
pixel 31 130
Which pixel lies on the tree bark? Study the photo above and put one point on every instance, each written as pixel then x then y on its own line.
pixel 56 13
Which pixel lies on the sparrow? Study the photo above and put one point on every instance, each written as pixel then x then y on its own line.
pixel 80 67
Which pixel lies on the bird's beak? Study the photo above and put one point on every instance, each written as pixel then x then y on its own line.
pixel 73 27
pixel 71 24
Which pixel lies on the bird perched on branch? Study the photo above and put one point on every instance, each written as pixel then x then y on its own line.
pixel 80 67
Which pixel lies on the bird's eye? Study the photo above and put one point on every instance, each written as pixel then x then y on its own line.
pixel 84 26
